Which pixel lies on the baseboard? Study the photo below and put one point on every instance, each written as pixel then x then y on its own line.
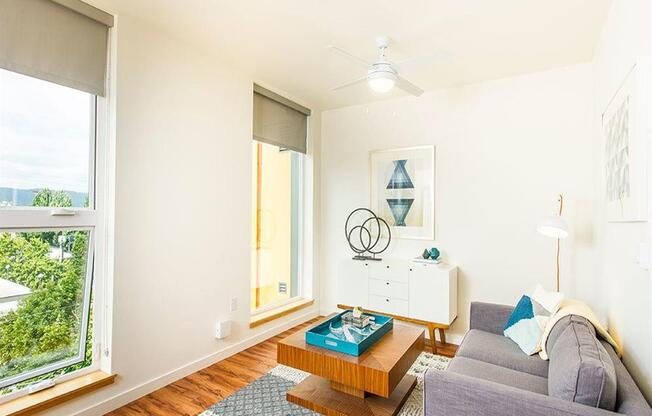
pixel 163 380
pixel 454 338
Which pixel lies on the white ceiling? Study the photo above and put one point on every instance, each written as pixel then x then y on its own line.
pixel 282 43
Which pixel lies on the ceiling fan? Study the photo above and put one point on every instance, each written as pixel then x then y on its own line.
pixel 383 75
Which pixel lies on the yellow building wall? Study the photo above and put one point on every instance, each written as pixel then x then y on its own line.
pixel 271 263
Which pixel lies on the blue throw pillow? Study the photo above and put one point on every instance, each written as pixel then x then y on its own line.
pixel 523 327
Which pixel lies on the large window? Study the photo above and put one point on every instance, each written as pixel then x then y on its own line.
pixel 276 211
pixel 49 218
pixel 280 262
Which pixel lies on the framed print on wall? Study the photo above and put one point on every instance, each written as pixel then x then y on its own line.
pixel 625 156
pixel 402 190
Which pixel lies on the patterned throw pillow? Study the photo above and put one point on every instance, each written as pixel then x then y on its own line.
pixel 528 320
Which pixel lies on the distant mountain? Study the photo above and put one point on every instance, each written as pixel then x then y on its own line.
pixel 25 197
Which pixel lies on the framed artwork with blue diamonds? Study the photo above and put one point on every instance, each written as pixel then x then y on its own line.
pixel 402 188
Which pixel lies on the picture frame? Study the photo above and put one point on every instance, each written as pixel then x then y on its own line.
pixel 402 190
pixel 625 155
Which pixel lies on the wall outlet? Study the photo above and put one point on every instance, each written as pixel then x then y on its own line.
pixel 223 329
pixel 234 304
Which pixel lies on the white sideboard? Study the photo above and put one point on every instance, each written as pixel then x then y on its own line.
pixel 425 292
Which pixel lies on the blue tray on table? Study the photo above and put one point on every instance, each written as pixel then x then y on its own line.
pixel 322 336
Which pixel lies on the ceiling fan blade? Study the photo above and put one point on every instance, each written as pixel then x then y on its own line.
pixel 350 56
pixel 407 86
pixel 438 57
pixel 350 84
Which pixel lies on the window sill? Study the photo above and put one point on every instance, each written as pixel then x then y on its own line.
pixel 60 393
pixel 279 312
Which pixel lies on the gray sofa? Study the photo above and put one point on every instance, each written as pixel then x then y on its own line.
pixel 491 376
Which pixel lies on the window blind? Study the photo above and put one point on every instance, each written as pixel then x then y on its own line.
pixel 61 41
pixel 279 121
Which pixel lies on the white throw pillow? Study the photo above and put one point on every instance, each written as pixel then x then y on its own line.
pixel 547 299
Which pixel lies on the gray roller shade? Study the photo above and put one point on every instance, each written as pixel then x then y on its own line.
pixel 61 41
pixel 279 121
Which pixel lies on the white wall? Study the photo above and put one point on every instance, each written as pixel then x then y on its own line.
pixel 183 154
pixel 626 293
pixel 504 150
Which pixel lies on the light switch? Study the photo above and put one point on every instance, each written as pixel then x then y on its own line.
pixel 643 258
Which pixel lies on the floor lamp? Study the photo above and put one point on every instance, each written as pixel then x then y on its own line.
pixel 555 227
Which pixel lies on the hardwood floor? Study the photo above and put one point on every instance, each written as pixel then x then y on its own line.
pixel 197 392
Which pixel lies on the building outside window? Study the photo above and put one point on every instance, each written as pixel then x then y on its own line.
pixel 276 216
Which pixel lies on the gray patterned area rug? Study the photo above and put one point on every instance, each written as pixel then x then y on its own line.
pixel 266 396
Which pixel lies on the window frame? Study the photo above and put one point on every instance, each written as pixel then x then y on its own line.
pixel 92 219
pixel 86 306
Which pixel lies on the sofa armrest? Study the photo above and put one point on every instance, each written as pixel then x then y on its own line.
pixel 446 393
pixel 489 317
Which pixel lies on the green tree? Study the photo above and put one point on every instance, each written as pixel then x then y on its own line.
pixel 48 320
pixel 59 199
pixel 25 261
pixel 48 198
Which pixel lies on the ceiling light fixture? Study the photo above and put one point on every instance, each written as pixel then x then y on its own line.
pixel 381 81
pixel 383 75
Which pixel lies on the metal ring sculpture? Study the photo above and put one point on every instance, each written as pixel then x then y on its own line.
pixel 367 241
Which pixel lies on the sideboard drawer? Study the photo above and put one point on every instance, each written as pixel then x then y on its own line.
pixel 388 305
pixel 394 270
pixel 388 288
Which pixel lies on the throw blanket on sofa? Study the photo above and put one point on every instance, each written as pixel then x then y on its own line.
pixel 576 307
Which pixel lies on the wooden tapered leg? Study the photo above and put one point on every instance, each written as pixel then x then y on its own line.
pixel 433 339
pixel 442 335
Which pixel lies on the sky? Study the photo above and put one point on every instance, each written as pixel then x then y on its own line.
pixel 45 134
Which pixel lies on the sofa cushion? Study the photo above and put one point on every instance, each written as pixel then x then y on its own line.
pixel 559 327
pixel 497 374
pixel 556 331
pixel 580 369
pixel 501 351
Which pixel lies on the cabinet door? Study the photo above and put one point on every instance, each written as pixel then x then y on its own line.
pixel 429 293
pixel 353 283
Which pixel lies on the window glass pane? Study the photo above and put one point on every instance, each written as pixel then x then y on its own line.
pixel 45 142
pixel 275 215
pixel 43 317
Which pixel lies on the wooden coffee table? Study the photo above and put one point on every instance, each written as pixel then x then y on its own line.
pixel 375 383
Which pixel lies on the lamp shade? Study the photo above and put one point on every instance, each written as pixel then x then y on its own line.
pixel 381 81
pixel 553 226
